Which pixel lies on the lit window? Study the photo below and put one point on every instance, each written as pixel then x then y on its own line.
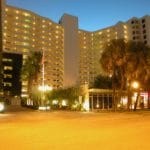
pixel 6 9
pixel 7 76
pixel 7 84
pixel 17 11
pixel 43 21
pixel 25 38
pixel 125 37
pixel 27 20
pixel 7 60
pixel 8 68
pixel 108 30
pixel 57 27
pixel 25 56
pixel 17 17
pixel 26 14
pixel 25 50
pixel 125 27
pixel 99 33
pixel 25 44
pixel 26 26
pixel 5 21
pixel 16 29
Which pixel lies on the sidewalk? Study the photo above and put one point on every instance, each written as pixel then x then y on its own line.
pixel 16 108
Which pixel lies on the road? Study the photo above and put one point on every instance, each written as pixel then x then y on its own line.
pixel 58 130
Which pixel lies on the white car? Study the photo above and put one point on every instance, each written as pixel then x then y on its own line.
pixel 2 106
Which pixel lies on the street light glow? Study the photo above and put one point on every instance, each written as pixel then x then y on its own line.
pixel 135 85
pixel 45 88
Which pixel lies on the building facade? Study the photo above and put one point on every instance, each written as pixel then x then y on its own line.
pixel 71 55
pixel 12 64
pixel 25 31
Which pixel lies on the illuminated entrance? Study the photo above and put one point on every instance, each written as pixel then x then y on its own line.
pixel 100 99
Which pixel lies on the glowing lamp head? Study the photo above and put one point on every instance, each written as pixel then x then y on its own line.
pixel 135 85
pixel 45 88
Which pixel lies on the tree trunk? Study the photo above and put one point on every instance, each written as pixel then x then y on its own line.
pixel 136 102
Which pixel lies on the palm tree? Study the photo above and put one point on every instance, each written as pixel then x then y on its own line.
pixel 138 66
pixel 113 63
pixel 31 69
pixel 127 62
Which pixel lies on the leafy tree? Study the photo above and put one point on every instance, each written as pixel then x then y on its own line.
pixel 138 66
pixel 103 82
pixel 113 63
pixel 127 62
pixel 70 94
pixel 31 68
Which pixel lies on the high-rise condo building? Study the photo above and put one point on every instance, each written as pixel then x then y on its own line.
pixel 71 54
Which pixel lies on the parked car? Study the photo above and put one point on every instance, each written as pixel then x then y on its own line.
pixel 2 104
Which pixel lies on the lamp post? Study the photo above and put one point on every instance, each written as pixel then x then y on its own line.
pixel 43 88
pixel 136 86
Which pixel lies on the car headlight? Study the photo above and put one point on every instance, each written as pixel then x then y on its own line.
pixel 1 107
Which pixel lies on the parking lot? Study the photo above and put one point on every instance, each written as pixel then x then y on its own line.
pixel 24 129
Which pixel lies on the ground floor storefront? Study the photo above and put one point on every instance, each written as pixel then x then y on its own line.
pixel 102 99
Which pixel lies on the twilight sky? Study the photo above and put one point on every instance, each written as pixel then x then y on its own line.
pixel 92 14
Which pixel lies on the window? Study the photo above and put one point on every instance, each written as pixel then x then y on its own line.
pixel 7 76
pixel 143 25
pixel 7 60
pixel 7 84
pixel 145 42
pixel 144 36
pixel 143 20
pixel 8 68
pixel 144 31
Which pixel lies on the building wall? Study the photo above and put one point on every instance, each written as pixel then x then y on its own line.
pixel 12 63
pixel 25 31
pixel 71 50
pixel 2 3
pixel 71 55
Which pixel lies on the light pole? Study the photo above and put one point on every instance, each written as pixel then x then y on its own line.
pixel 43 88
pixel 136 86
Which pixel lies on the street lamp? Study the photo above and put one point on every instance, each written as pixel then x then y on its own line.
pixel 43 89
pixel 136 86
